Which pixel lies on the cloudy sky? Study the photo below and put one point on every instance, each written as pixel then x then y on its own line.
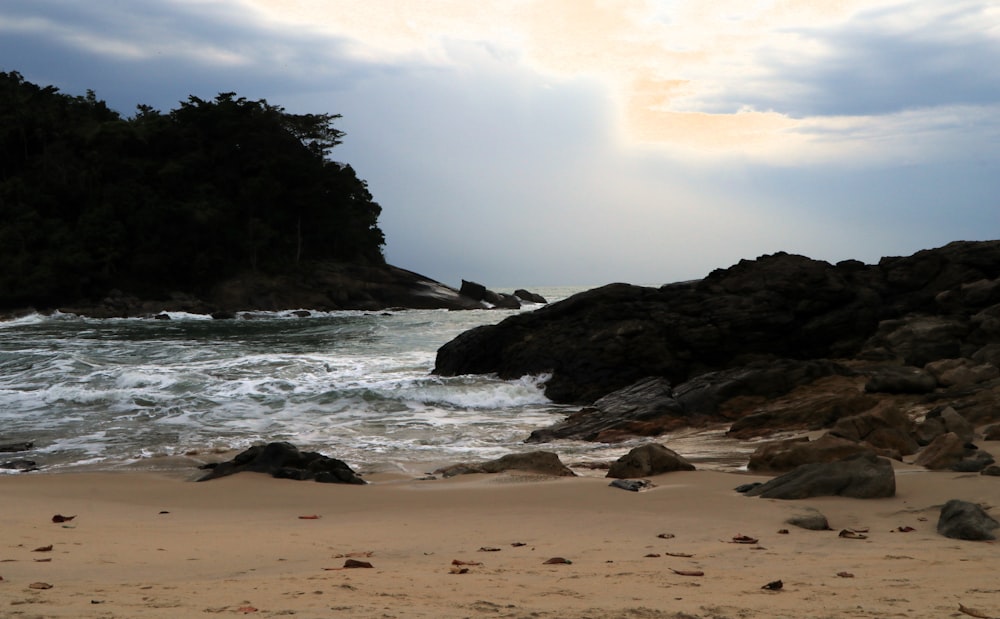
pixel 580 142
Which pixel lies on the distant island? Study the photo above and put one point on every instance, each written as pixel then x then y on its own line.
pixel 215 206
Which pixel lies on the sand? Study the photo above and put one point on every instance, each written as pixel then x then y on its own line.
pixel 158 545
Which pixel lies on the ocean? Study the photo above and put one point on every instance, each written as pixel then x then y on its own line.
pixel 123 394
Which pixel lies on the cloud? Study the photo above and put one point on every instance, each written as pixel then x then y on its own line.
pixel 537 142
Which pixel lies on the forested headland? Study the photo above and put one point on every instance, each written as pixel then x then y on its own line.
pixel 93 201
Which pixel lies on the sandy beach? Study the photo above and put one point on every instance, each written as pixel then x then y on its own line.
pixel 158 545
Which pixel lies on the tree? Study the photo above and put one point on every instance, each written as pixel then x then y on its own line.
pixel 91 201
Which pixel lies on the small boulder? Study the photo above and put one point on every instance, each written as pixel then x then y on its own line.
pixel 865 476
pixel 530 297
pixel 647 460
pixel 285 461
pixel 810 519
pixel 943 453
pixel 964 520
pixel 992 433
pixel 20 465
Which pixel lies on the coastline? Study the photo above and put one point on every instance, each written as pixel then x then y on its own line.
pixel 152 544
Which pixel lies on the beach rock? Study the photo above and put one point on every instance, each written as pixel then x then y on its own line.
pixel 961 372
pixel 20 465
pixel 992 433
pixel 632 485
pixel 912 309
pixel 323 286
pixel 285 461
pixel 885 427
pixel 900 379
pixel 648 460
pixel 991 470
pixel 644 408
pixel 15 447
pixel 964 520
pixel 479 292
pixel 789 454
pixel 530 297
pixel 538 462
pixel 811 406
pixel 651 406
pixel 941 420
pixel 944 452
pixel 974 461
pixel 810 519
pixel 917 339
pixel 864 476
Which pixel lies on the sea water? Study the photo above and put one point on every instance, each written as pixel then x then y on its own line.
pixel 137 392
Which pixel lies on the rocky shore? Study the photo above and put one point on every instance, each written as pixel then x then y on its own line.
pixel 899 358
pixel 326 286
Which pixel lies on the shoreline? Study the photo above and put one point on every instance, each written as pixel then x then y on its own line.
pixel 151 545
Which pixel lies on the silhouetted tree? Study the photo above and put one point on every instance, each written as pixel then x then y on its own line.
pixel 91 201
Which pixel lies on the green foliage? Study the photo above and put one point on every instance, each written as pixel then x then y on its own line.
pixel 91 201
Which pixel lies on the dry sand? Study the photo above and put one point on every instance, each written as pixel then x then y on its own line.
pixel 154 545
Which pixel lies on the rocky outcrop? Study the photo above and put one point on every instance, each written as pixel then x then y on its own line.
pixel 865 476
pixel 479 292
pixel 285 461
pixel 323 286
pixel 647 460
pixel 529 297
pixel 782 342
pixel 968 521
pixel 651 406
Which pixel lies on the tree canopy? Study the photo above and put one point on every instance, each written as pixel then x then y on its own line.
pixel 91 200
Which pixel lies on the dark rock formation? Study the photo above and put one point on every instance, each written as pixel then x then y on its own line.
pixel 756 341
pixel 15 447
pixel 650 406
pixel 539 462
pixel 647 460
pixel 620 414
pixel 324 286
pixel 285 461
pixel 964 520
pixel 900 379
pixel 864 476
pixel 478 292
pixel 530 297
pixel 776 306
pixel 19 465
pixel 885 427
pixel 961 372
pixel 812 406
